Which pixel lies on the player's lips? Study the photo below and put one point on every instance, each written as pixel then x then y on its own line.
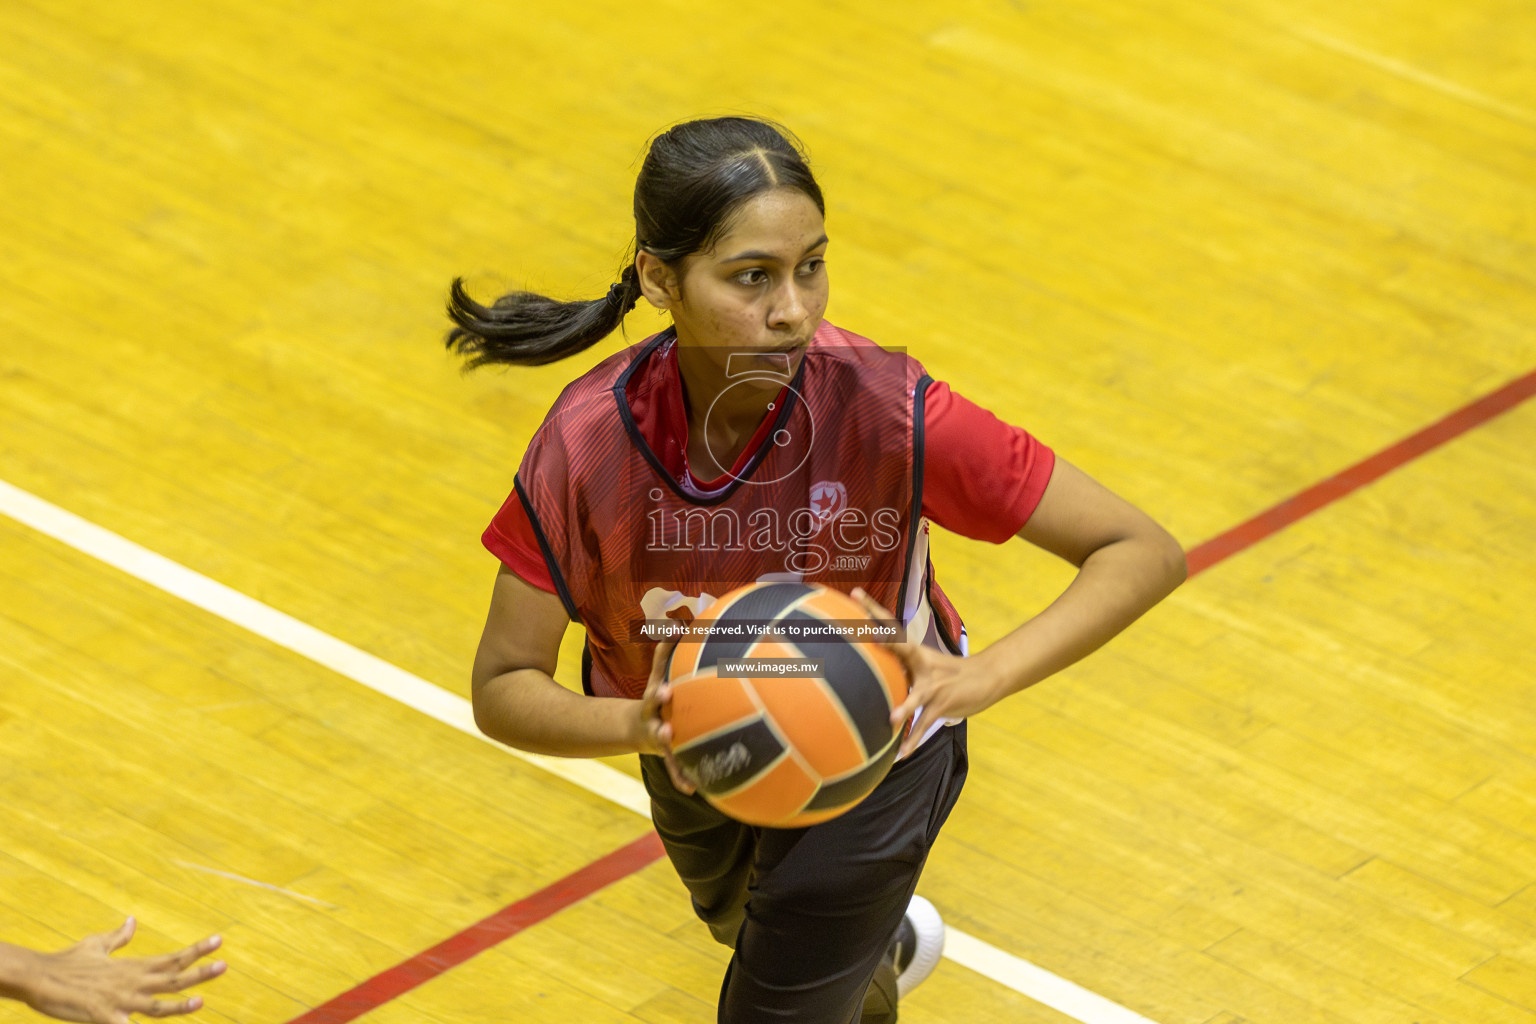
pixel 789 346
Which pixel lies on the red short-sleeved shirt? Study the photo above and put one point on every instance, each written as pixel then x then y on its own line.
pixel 982 478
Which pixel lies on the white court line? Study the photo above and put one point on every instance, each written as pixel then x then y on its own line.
pixel 450 709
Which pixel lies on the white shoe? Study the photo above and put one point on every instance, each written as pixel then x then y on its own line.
pixel 918 944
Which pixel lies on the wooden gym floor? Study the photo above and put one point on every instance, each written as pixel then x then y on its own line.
pixel 1215 253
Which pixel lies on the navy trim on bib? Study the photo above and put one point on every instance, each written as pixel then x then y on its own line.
pixel 549 556
pixel 645 449
pixel 915 515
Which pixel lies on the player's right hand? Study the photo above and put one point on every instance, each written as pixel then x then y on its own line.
pixel 655 731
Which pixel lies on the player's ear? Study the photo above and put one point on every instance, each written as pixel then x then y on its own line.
pixel 658 282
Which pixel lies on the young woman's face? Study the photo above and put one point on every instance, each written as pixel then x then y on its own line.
pixel 762 289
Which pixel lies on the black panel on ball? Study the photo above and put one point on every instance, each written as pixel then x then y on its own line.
pixel 761 605
pixel 857 784
pixel 728 760
pixel 854 682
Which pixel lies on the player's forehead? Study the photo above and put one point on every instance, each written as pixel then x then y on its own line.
pixel 782 224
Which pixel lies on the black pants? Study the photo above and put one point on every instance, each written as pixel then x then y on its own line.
pixel 810 912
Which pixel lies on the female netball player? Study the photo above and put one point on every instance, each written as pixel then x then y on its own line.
pixel 753 440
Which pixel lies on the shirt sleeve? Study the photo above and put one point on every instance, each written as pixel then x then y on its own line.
pixel 511 538
pixel 982 478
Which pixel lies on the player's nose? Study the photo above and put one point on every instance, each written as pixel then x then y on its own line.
pixel 788 308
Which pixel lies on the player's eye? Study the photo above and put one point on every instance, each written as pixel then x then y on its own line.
pixel 755 276
pixel 813 265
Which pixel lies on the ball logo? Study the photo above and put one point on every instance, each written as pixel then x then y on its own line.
pixel 828 500
pixel 713 767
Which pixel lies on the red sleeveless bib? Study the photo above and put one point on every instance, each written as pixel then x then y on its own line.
pixel 833 495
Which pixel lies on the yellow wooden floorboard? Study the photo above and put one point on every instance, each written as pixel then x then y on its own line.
pixel 674 1007
pixel 1463 846
pixel 272 974
pixel 1284 965
pixel 1455 841
pixel 954 993
pixel 1161 978
pixel 1229 890
pixel 1506 978
pixel 341 869
pixel 369 755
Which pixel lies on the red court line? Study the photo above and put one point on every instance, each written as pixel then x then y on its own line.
pixel 478 938
pixel 1361 473
pixel 622 863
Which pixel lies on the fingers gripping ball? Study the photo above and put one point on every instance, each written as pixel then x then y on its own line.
pixel 784 750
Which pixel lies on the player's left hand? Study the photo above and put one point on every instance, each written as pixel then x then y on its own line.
pixel 944 686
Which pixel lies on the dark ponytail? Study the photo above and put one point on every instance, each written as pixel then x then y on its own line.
pixel 529 329
pixel 695 176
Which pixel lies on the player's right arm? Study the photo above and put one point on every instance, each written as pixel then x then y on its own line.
pixel 518 702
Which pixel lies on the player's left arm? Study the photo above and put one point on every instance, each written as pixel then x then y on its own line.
pixel 1126 564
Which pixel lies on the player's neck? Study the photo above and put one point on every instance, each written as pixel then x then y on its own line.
pixel 718 406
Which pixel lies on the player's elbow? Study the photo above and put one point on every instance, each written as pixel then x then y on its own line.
pixel 483 705
pixel 493 700
pixel 1172 565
